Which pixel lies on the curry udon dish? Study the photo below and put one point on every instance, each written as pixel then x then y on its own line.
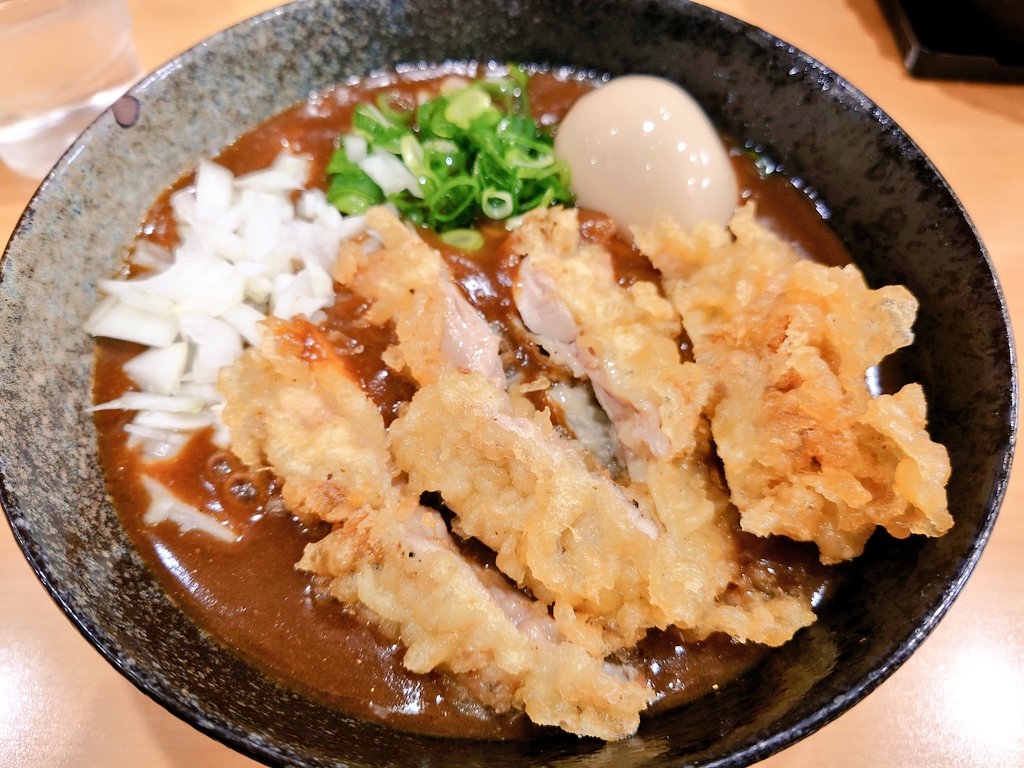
pixel 475 400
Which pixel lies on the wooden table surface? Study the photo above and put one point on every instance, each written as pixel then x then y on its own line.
pixel 959 701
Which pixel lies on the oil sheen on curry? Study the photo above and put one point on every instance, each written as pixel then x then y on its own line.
pixel 482 401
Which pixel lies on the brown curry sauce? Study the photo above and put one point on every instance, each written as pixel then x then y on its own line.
pixel 249 595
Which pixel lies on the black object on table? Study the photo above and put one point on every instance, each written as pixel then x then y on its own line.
pixel 960 39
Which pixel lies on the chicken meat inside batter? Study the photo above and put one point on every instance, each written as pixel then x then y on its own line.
pixel 808 452
pixel 395 559
pixel 587 563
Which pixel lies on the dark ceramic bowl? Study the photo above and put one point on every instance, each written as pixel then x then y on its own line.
pixel 899 219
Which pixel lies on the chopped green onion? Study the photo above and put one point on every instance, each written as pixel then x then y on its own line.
pixel 432 121
pixel 473 152
pixel 395 107
pixel 463 239
pixel 370 123
pixel 466 105
pixel 452 200
pixel 496 204
pixel 519 159
pixel 441 145
pixel 350 190
pixel 412 154
pixel 520 76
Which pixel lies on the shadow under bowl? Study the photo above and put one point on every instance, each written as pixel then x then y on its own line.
pixel 887 202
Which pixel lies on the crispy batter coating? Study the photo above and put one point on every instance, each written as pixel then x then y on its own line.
pixel 572 537
pixel 293 406
pixel 410 285
pixel 777 392
pixel 808 453
pixel 401 565
pixel 625 342
pixel 622 340
pixel 575 539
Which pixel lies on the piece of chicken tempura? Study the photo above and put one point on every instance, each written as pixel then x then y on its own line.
pixel 625 342
pixel 808 452
pixel 410 285
pixel 294 407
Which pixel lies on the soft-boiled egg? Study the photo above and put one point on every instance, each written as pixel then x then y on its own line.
pixel 640 146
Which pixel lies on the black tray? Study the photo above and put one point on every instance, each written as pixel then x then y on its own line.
pixel 953 40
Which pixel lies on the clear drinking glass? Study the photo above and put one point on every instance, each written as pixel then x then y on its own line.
pixel 62 62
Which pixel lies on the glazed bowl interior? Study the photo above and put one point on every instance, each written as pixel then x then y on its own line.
pixel 896 215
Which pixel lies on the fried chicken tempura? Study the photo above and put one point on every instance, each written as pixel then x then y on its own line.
pixel 294 407
pixel 401 565
pixel 410 285
pixel 808 453
pixel 777 390
pixel 622 340
pixel 625 342
pixel 575 539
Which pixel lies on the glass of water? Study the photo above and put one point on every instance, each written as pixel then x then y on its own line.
pixel 62 62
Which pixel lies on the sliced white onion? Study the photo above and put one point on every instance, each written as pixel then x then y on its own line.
pixel 355 147
pixel 351 226
pixel 183 205
pixel 159 370
pixel 258 289
pixel 186 422
pixel 263 225
pixel 165 506
pixel 147 401
pixel 214 190
pixel 245 319
pixel 114 319
pixel 248 247
pixel 197 284
pixel 223 242
pixel 141 431
pixel 310 203
pixel 321 285
pixel 207 392
pixel 389 173
pixel 293 295
pixel 134 294
pixel 287 173
pixel 221 435
pixel 217 344
pixel 156 444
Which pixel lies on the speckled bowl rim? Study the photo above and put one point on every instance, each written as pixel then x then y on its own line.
pixel 757 749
